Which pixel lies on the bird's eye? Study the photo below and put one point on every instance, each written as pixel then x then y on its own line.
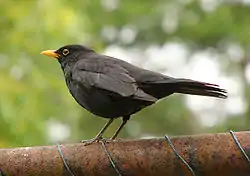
pixel 65 52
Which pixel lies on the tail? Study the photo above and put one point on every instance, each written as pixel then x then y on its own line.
pixel 188 86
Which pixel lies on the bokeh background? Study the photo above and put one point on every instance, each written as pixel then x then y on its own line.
pixel 206 40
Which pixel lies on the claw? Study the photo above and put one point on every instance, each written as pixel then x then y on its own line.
pixel 97 139
pixel 111 140
pixel 114 140
pixel 91 141
pixel 107 140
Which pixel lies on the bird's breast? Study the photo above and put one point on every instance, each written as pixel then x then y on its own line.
pixel 90 98
pixel 101 103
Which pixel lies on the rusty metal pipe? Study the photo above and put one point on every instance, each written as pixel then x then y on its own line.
pixel 215 154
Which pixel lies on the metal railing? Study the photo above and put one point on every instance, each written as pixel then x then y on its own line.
pixel 208 154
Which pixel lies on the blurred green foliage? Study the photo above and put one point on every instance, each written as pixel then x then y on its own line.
pixel 32 89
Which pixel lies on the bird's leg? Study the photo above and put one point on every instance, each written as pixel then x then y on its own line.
pixel 125 119
pixel 99 135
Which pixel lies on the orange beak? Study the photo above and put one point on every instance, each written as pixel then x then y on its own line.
pixel 50 53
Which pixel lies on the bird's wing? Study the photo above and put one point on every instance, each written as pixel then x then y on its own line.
pixel 110 77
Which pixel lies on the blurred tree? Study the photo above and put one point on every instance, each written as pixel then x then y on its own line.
pixel 35 104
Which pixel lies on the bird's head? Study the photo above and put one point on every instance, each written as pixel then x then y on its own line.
pixel 68 53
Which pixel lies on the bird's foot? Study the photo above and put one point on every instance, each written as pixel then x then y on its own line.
pixel 112 140
pixel 97 139
pixel 91 141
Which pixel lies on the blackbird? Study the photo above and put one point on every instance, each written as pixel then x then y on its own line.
pixel 112 88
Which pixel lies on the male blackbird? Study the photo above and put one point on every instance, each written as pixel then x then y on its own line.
pixel 112 88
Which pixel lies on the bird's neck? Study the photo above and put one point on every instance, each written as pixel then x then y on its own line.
pixel 64 64
pixel 66 70
pixel 67 63
pixel 67 67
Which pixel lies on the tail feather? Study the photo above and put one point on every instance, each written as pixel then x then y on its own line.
pixel 187 86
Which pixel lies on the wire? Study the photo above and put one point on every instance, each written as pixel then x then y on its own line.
pixel 110 158
pixel 64 160
pixel 179 156
pixel 239 145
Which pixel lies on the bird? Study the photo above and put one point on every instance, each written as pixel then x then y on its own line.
pixel 111 88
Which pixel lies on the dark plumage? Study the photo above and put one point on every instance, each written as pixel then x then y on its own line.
pixel 112 88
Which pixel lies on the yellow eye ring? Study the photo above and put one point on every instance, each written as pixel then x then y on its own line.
pixel 65 52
